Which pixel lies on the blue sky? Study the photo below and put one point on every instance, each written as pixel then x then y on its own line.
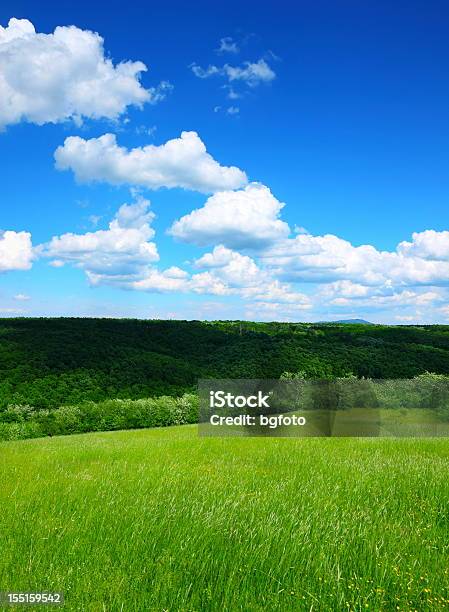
pixel 340 111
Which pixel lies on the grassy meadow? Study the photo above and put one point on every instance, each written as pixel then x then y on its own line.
pixel 160 519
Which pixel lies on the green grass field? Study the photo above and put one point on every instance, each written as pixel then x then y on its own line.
pixel 163 520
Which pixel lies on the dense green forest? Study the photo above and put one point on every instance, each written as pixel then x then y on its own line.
pixel 52 362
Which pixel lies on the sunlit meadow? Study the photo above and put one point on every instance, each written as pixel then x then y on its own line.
pixel 164 520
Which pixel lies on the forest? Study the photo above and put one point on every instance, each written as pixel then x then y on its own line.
pixel 46 363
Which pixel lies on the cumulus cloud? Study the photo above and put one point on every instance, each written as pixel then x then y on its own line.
pixel 248 218
pixel 181 162
pixel 407 297
pixel 275 292
pixel 176 280
pixel 244 277
pixel 16 251
pixel 352 280
pixel 322 258
pixel 123 256
pixel 347 293
pixel 326 258
pixel 171 280
pixel 48 78
pixel 428 245
pixel 224 272
pixel 121 252
pixel 346 289
pixel 232 267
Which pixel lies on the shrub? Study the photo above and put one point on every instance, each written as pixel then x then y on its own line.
pixel 20 431
pixel 23 421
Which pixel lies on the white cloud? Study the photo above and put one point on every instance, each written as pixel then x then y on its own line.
pixel 16 251
pixel 346 289
pixel 273 291
pixel 22 297
pixel 250 73
pixel 209 283
pixel 48 78
pixel 393 300
pixel 233 110
pixel 322 258
pixel 409 297
pixel 248 218
pixel 390 298
pixel 427 245
pixel 181 162
pixel 244 277
pixel 159 92
pixel 205 73
pixel 226 273
pixel 120 253
pixel 177 280
pixel 227 45
pixel 162 282
pixel 326 258
pixel 232 267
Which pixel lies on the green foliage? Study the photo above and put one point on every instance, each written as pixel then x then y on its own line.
pixel 20 422
pixel 429 391
pixel 49 363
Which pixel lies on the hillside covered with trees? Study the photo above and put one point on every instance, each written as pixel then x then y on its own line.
pixel 50 362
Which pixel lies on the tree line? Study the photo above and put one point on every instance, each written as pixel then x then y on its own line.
pixel 49 363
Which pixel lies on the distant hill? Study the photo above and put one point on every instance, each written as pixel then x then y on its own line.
pixel 47 363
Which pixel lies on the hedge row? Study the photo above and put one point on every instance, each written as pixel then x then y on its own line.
pixel 20 422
